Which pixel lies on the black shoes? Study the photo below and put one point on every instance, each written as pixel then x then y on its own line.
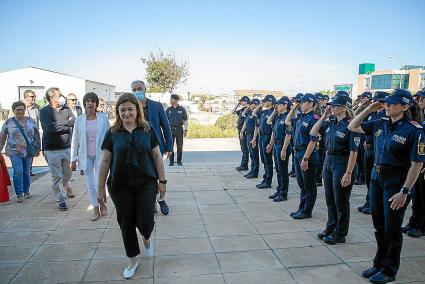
pixel 381 278
pixel 293 175
pixel 63 206
pixel 406 228
pixel 280 198
pixel 251 176
pixel 301 215
pixel 241 168
pixel 274 195
pixel 324 234
pixel 295 213
pixel 263 185
pixel 360 208
pixel 359 182
pixel 179 164
pixel 171 163
pixel 415 233
pixel 319 183
pixel 164 207
pixel 334 239
pixel 370 272
pixel 366 211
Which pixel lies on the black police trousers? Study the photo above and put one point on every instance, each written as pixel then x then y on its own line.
pixel 387 222
pixel 282 174
pixel 266 158
pixel 322 156
pixel 307 181
pixel 368 158
pixel 135 209
pixel 244 149
pixel 177 133
pixel 360 157
pixel 417 220
pixel 337 197
pixel 253 154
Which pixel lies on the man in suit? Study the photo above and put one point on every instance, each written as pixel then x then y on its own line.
pixel 154 113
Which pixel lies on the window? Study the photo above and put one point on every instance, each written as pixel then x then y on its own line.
pixel 367 84
pixel 422 82
pixel 380 82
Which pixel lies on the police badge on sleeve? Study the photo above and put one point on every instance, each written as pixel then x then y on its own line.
pixel 357 141
pixel 421 146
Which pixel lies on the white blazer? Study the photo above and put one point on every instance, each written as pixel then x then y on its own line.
pixel 79 139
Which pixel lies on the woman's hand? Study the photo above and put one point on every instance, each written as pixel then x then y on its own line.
pixel 346 179
pixel 304 165
pixel 73 166
pixel 269 148
pixel 375 106
pixel 254 143
pixel 328 112
pixel 101 197
pixel 162 189
pixel 283 155
pixel 398 200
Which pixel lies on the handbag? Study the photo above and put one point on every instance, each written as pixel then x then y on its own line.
pixel 31 146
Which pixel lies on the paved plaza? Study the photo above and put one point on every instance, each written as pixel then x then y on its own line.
pixel 221 229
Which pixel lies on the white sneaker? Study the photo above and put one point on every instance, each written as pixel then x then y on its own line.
pixel 149 251
pixel 128 273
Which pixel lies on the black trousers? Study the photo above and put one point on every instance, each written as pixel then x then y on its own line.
pixel 266 158
pixel 135 209
pixel 244 149
pixel 337 197
pixel 360 159
pixel 307 181
pixel 418 207
pixel 387 222
pixel 177 133
pixel 369 155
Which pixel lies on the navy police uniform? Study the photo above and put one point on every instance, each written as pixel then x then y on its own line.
pixel 250 124
pixel 242 136
pixel 306 179
pixel 280 130
pixel 339 143
pixel 396 145
pixel 264 140
pixel 297 99
pixel 321 151
pixel 177 116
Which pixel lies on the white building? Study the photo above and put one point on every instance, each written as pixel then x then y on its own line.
pixel 14 83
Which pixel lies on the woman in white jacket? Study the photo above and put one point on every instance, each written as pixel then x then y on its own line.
pixel 89 131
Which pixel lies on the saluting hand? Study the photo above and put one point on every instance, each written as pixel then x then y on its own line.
pixel 375 106
pixel 398 200
pixel 328 112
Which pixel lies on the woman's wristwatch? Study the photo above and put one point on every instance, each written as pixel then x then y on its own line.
pixel 164 181
pixel 405 190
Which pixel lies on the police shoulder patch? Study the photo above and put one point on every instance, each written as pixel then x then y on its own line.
pixel 416 124
pixel 357 141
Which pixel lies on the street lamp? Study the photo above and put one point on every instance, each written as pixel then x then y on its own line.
pixel 401 67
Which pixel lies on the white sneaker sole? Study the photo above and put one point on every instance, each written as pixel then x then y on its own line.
pixel 130 273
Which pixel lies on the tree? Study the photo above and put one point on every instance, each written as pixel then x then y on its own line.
pixel 163 73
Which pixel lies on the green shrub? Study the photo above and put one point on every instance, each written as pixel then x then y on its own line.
pixel 210 131
pixel 227 121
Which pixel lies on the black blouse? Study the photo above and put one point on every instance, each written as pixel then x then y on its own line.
pixel 132 162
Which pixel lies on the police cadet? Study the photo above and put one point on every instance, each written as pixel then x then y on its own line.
pixel 339 168
pixel 280 147
pixel 306 156
pixel 240 107
pixel 251 128
pixel 265 131
pixel 368 147
pixel 321 106
pixel 399 155
pixel 177 117
pixel 416 226
pixel 296 99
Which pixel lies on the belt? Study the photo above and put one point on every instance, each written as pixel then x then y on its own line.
pixel 368 146
pixel 380 169
pixel 337 153
pixel 300 148
pixel 278 142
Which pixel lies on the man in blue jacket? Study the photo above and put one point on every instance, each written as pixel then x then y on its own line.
pixel 157 118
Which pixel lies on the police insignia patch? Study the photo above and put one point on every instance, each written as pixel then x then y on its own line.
pixel 379 132
pixel 357 141
pixel 421 149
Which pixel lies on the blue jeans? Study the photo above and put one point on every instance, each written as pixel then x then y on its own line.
pixel 266 159
pixel 282 169
pixel 307 181
pixel 21 174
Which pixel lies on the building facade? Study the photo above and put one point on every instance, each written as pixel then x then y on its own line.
pixel 409 77
pixel 14 83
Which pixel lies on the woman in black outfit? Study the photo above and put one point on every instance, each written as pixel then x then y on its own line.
pixel 132 158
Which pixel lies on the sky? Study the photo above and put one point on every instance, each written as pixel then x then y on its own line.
pixel 293 46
